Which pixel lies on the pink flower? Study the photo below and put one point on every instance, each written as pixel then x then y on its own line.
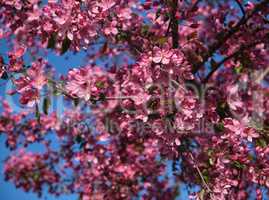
pixel 106 4
pixel 177 142
pixel 35 78
pixel 16 3
pixel 234 100
pixel 234 126
pixel 126 170
pixel 144 112
pixel 240 129
pixel 70 36
pixel 251 133
pixel 30 170
pixel 19 51
pixel 161 55
pixel 30 84
pixel 36 74
pixel 29 97
pixel 34 15
pixel 2 33
pixel 22 84
pixel 111 29
pixel 1 71
pixel 87 82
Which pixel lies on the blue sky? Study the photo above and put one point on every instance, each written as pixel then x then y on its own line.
pixel 62 64
pixel 7 190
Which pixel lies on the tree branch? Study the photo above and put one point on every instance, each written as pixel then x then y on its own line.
pixel 236 53
pixel 241 8
pixel 195 5
pixel 223 36
pixel 174 24
pixel 201 175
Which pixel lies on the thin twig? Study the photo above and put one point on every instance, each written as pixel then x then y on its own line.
pixel 200 174
pixel 195 5
pixel 241 8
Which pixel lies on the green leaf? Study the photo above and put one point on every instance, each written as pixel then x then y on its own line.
pixel 145 30
pixel 239 69
pixel 238 165
pixel 36 176
pixel 219 127
pixel 52 41
pixel 261 143
pixel 205 175
pixel 37 113
pixel 162 40
pixel 211 161
pixel 102 96
pixel 153 104
pixel 201 194
pixel 100 84
pixel 223 110
pixel 210 152
pixel 46 105
pixel 124 35
pixel 65 45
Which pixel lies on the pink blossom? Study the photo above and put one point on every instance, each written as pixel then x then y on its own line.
pixel 87 82
pixel 19 52
pixel 1 71
pixel 240 129
pixel 174 88
pixel 106 4
pixel 161 55
pixel 112 29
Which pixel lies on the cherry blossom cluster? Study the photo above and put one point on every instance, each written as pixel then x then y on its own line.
pixel 171 92
pixel 30 171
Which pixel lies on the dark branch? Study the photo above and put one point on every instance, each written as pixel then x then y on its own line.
pixel 195 5
pixel 241 8
pixel 174 24
pixel 233 55
pixel 223 36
